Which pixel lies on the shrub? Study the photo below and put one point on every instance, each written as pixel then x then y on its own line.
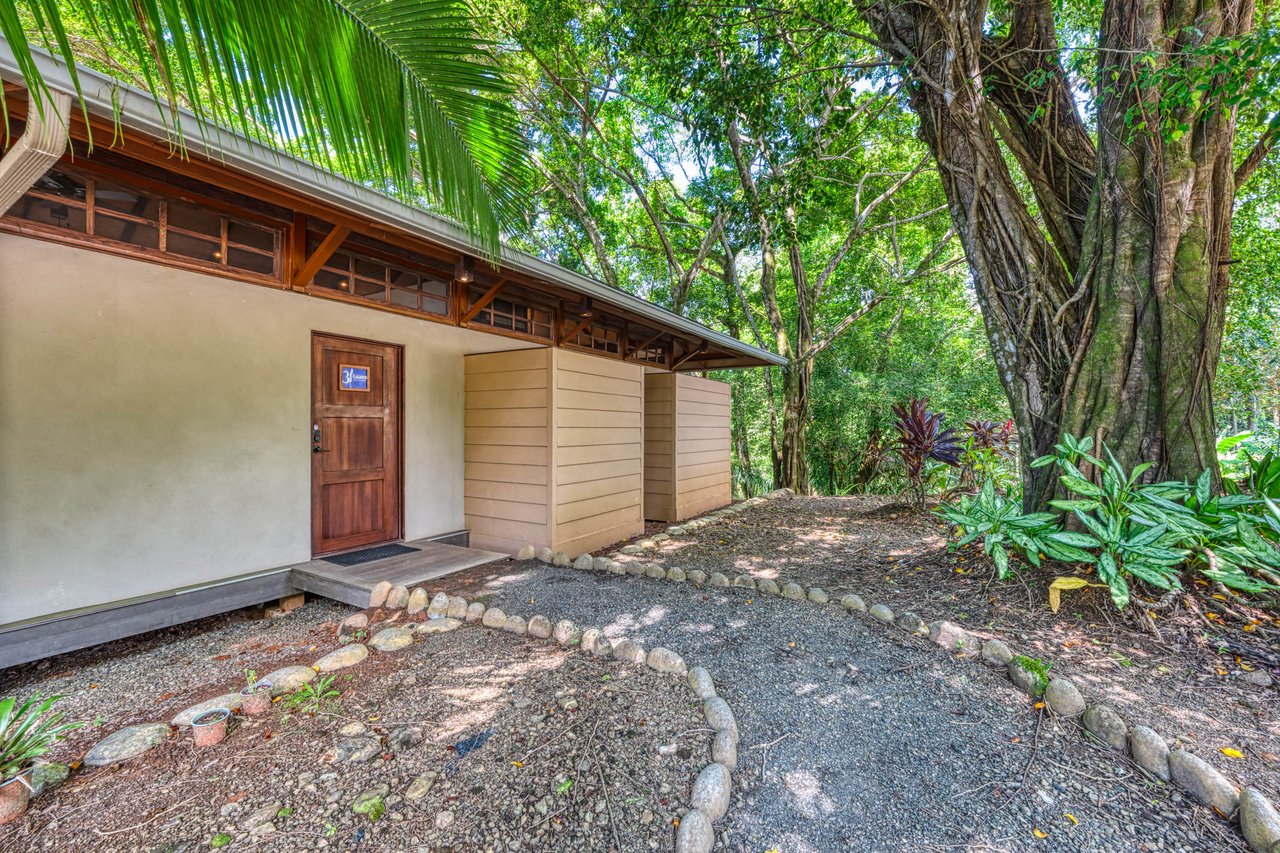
pixel 922 439
pixel 28 732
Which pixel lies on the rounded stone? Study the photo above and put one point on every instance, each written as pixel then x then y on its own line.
pixel 493 618
pixel 417 600
pixel 603 647
pixel 590 638
pixel 793 591
pixel 457 607
pixel 853 603
pixel 617 568
pixel 744 582
pixel 676 575
pixel 515 625
pixel 1205 784
pixel 528 552
pixel 584 562
pixel 341 658
pixel 664 660
pixel 545 555
pixel 818 595
pixel 601 564
pixel 629 651
pixel 711 791
pixel 717 579
pixel 1150 752
pixel 648 544
pixel 695 833
pixel 1063 697
pixel 661 537
pixel 566 633
pixel 720 716
pixel 438 626
pixel 724 750
pixel 378 596
pixel 475 611
pixel 398 598
pixel 439 606
pixel 127 743
pixel 631 550
pixel 953 638
pixel 391 639
pixel 996 653
pixel 47 776
pixel 1259 822
pixel 230 701
pixel 700 683
pixel 287 679
pixel 881 613
pixel 539 627
pixel 354 622
pixel 1024 679
pixel 655 571
pixel 561 559
pixel 768 586
pixel 636 570
pixel 697 577
pixel 909 622
pixel 1107 726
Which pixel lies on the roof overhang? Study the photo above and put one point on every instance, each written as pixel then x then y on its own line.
pixel 138 111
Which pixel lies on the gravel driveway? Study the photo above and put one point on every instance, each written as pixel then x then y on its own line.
pixel 858 737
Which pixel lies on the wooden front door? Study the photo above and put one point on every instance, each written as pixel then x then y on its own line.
pixel 355 443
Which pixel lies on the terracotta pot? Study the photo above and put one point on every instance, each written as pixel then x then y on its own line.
pixel 15 793
pixel 256 700
pixel 210 728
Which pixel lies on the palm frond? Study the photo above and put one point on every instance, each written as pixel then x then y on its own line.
pixel 400 94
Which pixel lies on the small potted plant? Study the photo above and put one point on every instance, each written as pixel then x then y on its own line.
pixel 210 728
pixel 27 731
pixel 255 696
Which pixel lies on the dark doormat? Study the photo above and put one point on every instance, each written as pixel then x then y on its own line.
pixel 368 555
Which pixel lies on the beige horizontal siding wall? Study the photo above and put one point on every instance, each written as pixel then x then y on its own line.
pixel 686 446
pixel 597 453
pixel 660 446
pixel 506 485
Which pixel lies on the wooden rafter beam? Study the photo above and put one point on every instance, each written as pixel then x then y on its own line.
pixel 698 350
pixel 320 256
pixel 483 302
pixel 581 324
pixel 630 351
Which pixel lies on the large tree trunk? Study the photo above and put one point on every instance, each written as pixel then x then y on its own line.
pixel 1104 310
pixel 794 457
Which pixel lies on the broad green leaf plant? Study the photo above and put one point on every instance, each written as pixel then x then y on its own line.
pixel 28 731
pixel 400 94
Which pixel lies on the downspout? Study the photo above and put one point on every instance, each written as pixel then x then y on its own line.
pixel 39 147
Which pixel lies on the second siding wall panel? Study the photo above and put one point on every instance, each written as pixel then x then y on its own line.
pixel 686 446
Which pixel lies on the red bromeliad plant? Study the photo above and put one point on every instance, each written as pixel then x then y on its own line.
pixel 921 438
pixel 991 435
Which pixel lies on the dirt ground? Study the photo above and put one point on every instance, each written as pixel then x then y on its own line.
pixel 1182 684
pixel 564 750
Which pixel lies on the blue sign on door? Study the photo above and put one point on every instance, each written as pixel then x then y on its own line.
pixel 353 378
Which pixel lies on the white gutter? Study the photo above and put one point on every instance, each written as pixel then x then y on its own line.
pixel 40 146
pixel 136 109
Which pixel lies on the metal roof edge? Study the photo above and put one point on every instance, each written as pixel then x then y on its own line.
pixel 139 111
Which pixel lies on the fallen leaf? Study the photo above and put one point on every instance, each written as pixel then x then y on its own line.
pixel 1072 818
pixel 517 763
pixel 1039 833
pixel 1039 705
pixel 1231 752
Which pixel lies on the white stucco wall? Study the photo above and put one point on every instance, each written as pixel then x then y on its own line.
pixel 154 425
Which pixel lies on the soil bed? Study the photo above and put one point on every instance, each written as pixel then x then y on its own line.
pixel 524 744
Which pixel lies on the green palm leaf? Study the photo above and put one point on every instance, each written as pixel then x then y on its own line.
pixel 400 94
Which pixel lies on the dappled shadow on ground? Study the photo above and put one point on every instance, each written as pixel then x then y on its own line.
pixel 564 756
pixel 857 737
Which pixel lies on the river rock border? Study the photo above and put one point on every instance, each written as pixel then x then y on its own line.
pixel 1259 821
pixel 393 610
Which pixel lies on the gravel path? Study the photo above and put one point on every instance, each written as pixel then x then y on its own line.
pixel 857 737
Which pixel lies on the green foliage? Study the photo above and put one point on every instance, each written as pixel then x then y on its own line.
pixel 403 95
pixel 1037 667
pixel 922 438
pixel 1002 525
pixel 28 731
pixel 220 840
pixel 314 696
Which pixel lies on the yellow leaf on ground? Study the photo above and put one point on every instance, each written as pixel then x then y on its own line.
pixel 1231 752
pixel 1219 596
pixel 1058 585
pixel 1250 627
pixel 1039 833
pixel 1072 818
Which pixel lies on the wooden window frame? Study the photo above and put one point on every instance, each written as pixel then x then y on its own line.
pixel 389 262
